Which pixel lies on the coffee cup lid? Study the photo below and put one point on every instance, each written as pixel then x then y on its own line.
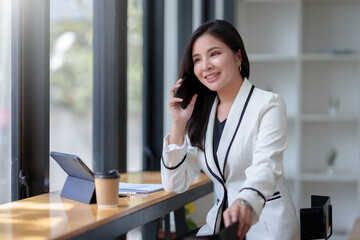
pixel 108 174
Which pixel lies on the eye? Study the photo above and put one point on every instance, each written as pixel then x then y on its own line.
pixel 214 54
pixel 195 60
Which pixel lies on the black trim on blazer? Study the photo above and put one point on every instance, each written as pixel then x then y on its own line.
pixel 258 192
pixel 172 168
pixel 221 182
pixel 218 168
pixel 218 212
pixel 237 128
pixel 212 173
pixel 273 198
pixel 275 194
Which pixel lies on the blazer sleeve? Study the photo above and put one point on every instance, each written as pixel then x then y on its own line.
pixel 179 165
pixel 267 163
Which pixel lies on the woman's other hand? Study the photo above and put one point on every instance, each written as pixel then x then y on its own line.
pixel 239 212
pixel 179 116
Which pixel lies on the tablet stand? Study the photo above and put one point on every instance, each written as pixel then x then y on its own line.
pixel 79 189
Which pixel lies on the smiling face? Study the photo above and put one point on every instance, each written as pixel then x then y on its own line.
pixel 215 64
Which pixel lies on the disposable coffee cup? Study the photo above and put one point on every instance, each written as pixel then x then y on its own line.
pixel 107 188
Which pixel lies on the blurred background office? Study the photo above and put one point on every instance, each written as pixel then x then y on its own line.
pixel 92 78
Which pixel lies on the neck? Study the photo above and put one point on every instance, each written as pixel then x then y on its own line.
pixel 227 95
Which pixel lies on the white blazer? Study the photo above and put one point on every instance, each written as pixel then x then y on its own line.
pixel 250 156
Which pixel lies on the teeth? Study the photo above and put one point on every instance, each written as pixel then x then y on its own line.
pixel 211 76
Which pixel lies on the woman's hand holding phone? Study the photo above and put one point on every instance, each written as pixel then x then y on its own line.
pixel 179 116
pixel 186 90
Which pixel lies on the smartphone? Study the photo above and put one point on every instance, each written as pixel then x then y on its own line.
pixel 186 91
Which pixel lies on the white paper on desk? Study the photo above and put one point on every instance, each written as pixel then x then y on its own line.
pixel 139 187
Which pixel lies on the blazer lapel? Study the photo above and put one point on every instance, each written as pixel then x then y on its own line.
pixel 231 123
pixel 209 156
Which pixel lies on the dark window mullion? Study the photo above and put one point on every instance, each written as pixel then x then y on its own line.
pixel 229 11
pixel 110 88
pixel 184 25
pixel 30 96
pixel 153 83
pixel 208 8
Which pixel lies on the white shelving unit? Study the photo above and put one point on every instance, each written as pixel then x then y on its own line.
pixel 308 51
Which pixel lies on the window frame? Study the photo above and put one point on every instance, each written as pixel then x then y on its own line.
pixel 110 85
pixel 30 98
pixel 185 23
pixel 153 82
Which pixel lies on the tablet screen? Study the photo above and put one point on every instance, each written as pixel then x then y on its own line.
pixel 73 165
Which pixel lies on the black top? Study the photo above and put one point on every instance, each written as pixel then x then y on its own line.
pixel 218 129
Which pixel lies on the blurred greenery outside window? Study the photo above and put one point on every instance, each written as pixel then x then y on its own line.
pixel 134 85
pixel 5 101
pixel 71 82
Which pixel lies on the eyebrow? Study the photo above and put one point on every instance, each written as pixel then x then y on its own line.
pixel 209 50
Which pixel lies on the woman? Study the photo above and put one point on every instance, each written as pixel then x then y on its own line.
pixel 235 133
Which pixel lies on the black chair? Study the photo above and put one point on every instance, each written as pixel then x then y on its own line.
pixel 316 222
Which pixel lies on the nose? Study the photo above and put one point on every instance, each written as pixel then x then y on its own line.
pixel 207 65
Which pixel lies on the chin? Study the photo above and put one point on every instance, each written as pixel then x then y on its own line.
pixel 213 88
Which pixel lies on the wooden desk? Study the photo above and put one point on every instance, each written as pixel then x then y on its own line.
pixel 49 216
pixel 355 232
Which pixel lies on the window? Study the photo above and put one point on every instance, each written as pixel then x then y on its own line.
pixel 134 76
pixel 71 82
pixel 5 108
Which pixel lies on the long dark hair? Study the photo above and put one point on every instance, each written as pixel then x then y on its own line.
pixel 228 34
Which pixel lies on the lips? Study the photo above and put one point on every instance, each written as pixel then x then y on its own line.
pixel 211 77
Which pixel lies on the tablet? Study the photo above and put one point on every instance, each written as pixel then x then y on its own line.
pixel 73 165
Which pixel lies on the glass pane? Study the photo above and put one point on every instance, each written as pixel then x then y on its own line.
pixel 134 75
pixel 5 109
pixel 71 80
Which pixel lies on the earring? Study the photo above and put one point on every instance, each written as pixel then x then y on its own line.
pixel 240 67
